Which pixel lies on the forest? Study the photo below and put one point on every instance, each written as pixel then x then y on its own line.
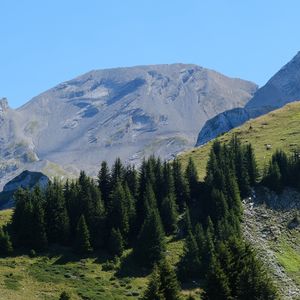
pixel 134 208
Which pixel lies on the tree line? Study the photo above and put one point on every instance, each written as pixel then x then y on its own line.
pixel 137 208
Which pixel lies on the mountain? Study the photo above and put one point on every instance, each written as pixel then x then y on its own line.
pixel 278 129
pixel 26 180
pixel 282 88
pixel 125 112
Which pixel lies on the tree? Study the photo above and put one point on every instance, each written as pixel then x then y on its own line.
pixel 251 165
pixel 153 291
pixel 39 235
pixel 57 219
pixel 64 296
pixel 118 216
pixel 181 186
pixel 272 178
pixel 150 246
pixel 169 283
pixel 217 286
pixel 104 182
pixel 192 178
pixel 116 244
pixel 169 214
pixel 190 266
pixel 82 243
pixel 5 243
pixel 163 284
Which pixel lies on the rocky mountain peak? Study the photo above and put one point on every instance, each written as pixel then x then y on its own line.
pixel 3 105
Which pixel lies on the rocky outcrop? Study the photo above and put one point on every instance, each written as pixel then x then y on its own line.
pixel 25 180
pixel 266 225
pixel 282 88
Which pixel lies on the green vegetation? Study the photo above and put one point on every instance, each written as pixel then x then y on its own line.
pixel 128 221
pixel 279 129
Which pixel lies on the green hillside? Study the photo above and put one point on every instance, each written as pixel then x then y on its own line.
pixel 280 129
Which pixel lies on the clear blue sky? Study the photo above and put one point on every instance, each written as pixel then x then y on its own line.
pixel 43 43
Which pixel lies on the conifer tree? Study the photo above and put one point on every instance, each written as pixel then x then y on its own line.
pixel 181 185
pixel 117 172
pixel 150 246
pixel 118 211
pixel 39 235
pixel 192 178
pixel 57 218
pixel 154 291
pixel 169 214
pixel 190 266
pixel 217 283
pixel 251 165
pixel 6 247
pixel 273 178
pixel 168 280
pixel 104 182
pixel 116 244
pixel 187 224
pixel 82 243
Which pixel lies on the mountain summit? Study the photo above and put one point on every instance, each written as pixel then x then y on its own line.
pixel 282 88
pixel 125 112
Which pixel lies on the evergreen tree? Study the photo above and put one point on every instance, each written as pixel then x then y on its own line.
pixel 154 291
pixel 217 283
pixel 163 284
pixel 118 216
pixel 39 236
pixel 64 296
pixel 104 182
pixel 251 165
pixel 187 224
pixel 273 178
pixel 181 185
pixel 192 179
pixel 169 214
pixel 190 266
pixel 5 243
pixel 57 219
pixel 82 243
pixel 150 246
pixel 117 172
pixel 168 280
pixel 116 244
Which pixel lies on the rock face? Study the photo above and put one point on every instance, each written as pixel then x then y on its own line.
pixel 24 180
pixel 127 112
pixel 282 88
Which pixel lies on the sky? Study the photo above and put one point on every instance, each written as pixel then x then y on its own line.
pixel 43 43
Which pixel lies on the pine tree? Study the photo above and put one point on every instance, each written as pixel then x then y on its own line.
pixel 150 246
pixel 39 235
pixel 104 182
pixel 187 224
pixel 116 244
pixel 82 243
pixel 273 178
pixel 190 266
pixel 5 243
pixel 117 172
pixel 57 219
pixel 154 291
pixel 192 178
pixel 169 214
pixel 251 165
pixel 168 280
pixel 217 286
pixel 64 296
pixel 118 216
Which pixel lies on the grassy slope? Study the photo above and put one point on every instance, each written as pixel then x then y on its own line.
pixel 45 277
pixel 280 129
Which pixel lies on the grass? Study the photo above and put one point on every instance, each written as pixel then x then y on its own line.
pixel 279 128
pixel 289 258
pixel 46 276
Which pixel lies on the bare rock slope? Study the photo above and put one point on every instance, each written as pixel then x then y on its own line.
pixel 282 88
pixel 124 112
